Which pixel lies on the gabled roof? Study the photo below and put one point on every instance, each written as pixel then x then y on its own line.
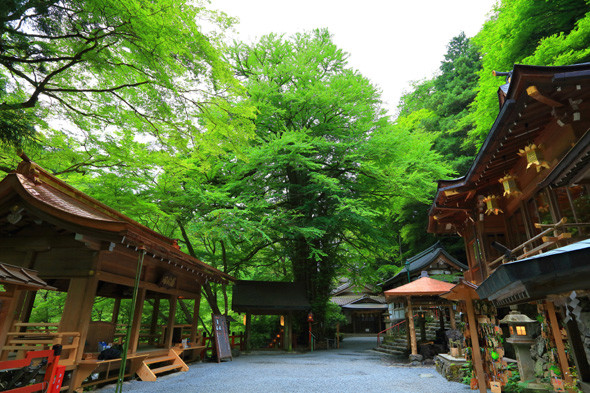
pixel 51 199
pixel 424 286
pixel 269 297
pixel 521 119
pixel 423 260
pixel 346 300
pixel 348 284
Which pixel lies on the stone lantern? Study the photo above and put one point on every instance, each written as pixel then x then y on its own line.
pixel 521 330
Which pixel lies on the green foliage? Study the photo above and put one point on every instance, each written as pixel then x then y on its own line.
pixel 137 65
pixel 526 32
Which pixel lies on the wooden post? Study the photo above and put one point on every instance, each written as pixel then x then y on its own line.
pixel 136 323
pixel 290 331
pixel 475 350
pixel 248 326
pixel 452 317
pixel 154 323
pixel 78 309
pixel 338 335
pixel 412 329
pixel 565 369
pixel 116 309
pixel 170 325
pixel 8 312
pixel 195 322
pixel 28 306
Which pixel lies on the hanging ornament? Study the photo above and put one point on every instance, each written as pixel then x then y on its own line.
pixel 510 186
pixel 534 157
pixel 493 204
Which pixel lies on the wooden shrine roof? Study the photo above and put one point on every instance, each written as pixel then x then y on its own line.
pixel 21 277
pixel 269 297
pixel 462 291
pixel 536 97
pixel 421 261
pixel 43 195
pixel 424 286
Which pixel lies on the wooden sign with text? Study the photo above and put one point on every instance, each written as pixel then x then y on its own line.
pixel 221 338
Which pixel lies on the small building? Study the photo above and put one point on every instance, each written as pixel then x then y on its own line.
pixel 80 246
pixel 363 307
pixel 434 260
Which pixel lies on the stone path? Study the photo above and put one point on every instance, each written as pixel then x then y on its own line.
pixel 353 368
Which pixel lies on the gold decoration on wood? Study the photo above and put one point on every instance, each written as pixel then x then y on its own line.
pixel 493 204
pixel 534 157
pixel 510 186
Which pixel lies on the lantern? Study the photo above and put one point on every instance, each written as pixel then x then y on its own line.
pixel 510 186
pixel 493 204
pixel 521 332
pixel 533 156
pixel 310 317
pixel 282 320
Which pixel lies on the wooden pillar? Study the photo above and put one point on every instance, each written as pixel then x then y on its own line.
pixel 475 349
pixel 195 322
pixel 412 329
pixel 27 308
pixel 452 317
pixel 565 368
pixel 136 322
pixel 116 309
pixel 170 325
pixel 248 327
pixel 154 323
pixel 78 309
pixel 289 330
pixel 8 314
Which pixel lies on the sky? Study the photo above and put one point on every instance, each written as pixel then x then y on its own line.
pixel 390 42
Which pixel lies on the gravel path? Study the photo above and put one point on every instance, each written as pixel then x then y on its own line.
pixel 352 368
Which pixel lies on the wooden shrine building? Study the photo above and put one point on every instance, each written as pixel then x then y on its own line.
pixel 362 306
pixel 435 261
pixel 523 211
pixel 80 246
pixel 422 293
pixel 271 298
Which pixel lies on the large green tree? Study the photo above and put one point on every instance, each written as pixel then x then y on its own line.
pixel 326 160
pixel 140 65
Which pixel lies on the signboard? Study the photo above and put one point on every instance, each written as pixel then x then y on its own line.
pixel 221 338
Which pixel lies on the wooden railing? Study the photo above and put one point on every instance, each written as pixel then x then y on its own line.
pixel 397 326
pixel 547 241
pixel 42 336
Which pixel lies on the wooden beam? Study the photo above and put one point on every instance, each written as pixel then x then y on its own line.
pixel 452 318
pixel 171 319
pixel 565 368
pixel 78 309
pixel 534 93
pixel 475 350
pixel 412 329
pixel 8 315
pixel 116 309
pixel 195 323
pixel 154 323
pixel 136 322
pixel 248 330
pixel 130 282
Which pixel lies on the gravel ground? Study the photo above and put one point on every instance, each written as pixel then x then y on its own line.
pixel 352 368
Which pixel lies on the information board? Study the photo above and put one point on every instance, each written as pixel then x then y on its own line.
pixel 221 338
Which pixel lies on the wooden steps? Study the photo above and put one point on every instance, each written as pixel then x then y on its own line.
pixel 161 364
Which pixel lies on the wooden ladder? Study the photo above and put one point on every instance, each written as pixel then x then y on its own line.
pixel 170 362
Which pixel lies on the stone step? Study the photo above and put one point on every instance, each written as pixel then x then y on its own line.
pixel 392 352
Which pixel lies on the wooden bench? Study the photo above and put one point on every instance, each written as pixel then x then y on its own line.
pixel 87 367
